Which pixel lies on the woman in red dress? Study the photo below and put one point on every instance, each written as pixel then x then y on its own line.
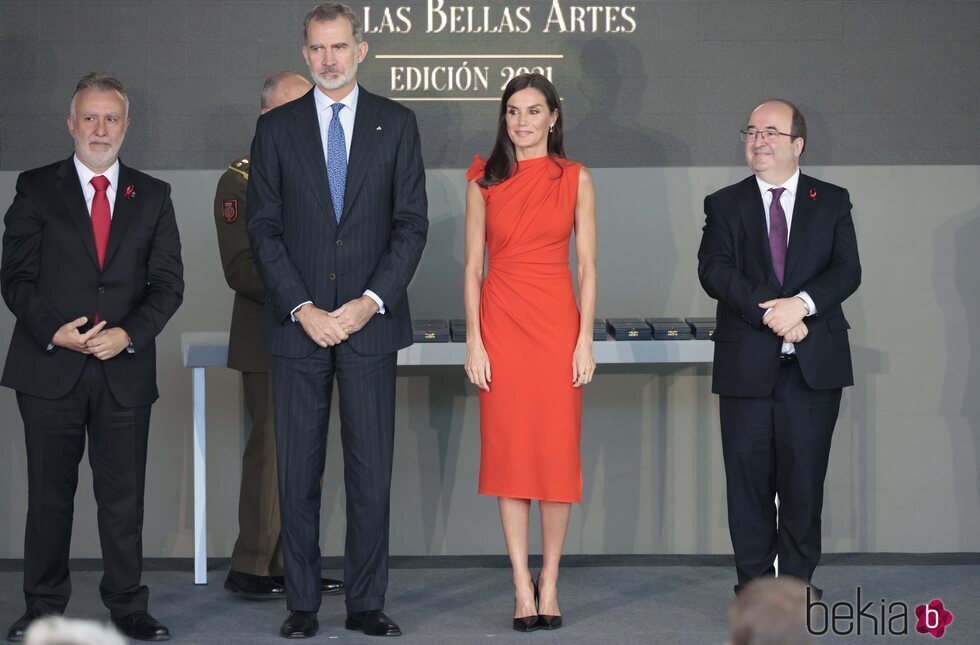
pixel 529 347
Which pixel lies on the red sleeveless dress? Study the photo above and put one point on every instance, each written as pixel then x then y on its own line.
pixel 531 419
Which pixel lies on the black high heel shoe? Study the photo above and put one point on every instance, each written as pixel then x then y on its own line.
pixel 544 621
pixel 528 623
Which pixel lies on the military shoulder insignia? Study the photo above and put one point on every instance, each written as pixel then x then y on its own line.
pixel 241 167
pixel 229 210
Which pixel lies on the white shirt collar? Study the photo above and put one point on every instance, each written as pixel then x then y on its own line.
pixel 790 184
pixel 323 102
pixel 85 174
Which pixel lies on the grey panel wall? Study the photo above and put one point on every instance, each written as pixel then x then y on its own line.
pixel 881 82
pixel 890 92
pixel 905 452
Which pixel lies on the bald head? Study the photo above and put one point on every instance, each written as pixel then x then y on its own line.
pixel 282 88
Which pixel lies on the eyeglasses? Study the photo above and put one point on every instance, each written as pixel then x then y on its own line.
pixel 765 135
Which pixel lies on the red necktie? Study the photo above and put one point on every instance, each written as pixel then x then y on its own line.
pixel 101 220
pixel 101 217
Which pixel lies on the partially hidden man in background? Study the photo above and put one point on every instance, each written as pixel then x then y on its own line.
pixel 256 561
pixel 337 220
pixel 779 254
pixel 91 270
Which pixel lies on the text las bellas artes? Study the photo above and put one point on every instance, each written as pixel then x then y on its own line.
pixel 503 18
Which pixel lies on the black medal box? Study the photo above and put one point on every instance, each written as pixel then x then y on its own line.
pixel 457 330
pixel 629 329
pixel 430 331
pixel 669 328
pixel 703 328
pixel 599 329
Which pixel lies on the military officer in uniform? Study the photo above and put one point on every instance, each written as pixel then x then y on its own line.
pixel 256 562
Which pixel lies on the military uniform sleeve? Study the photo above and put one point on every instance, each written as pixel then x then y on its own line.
pixel 233 243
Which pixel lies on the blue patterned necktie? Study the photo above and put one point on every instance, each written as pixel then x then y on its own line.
pixel 336 161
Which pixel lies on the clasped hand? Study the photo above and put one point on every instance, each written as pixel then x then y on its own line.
pixel 785 318
pixel 329 328
pixel 98 341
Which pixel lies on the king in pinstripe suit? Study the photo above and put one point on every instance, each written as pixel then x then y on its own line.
pixel 336 241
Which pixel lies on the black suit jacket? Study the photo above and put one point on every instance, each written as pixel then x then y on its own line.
pixel 303 254
pixel 49 275
pixel 735 268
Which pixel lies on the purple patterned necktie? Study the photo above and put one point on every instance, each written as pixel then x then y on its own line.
pixel 777 234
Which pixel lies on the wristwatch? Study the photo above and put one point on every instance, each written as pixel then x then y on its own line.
pixel 806 306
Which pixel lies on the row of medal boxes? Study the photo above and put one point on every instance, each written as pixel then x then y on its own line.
pixel 445 331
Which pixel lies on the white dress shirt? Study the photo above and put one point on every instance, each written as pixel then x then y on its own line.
pixel 324 114
pixel 788 201
pixel 85 175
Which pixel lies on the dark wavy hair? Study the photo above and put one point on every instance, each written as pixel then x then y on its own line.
pixel 503 159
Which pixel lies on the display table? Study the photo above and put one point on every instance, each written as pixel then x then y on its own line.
pixel 210 349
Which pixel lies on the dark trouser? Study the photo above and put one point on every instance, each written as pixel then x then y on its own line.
pixel 302 389
pixel 258 549
pixel 772 445
pixel 55 433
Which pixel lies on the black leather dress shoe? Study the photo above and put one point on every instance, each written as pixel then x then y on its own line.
pixel 372 623
pixel 254 587
pixel 141 626
pixel 300 624
pixel 16 632
pixel 328 586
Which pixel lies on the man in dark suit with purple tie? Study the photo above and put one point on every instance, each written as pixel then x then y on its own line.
pixel 779 254
pixel 337 220
pixel 91 269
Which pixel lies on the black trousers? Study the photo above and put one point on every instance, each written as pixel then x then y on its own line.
pixel 777 445
pixel 302 390
pixel 55 432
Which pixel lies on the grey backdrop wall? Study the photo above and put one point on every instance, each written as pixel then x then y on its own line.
pixel 881 82
pixel 886 86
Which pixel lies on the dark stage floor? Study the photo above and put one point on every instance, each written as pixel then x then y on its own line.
pixel 605 599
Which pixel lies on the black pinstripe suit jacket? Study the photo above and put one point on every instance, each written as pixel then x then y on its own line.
pixel 303 254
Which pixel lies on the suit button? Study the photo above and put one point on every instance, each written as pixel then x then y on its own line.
pixel 101 289
pixel 333 276
pixel 340 242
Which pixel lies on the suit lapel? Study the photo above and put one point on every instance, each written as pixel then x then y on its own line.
pixel 363 145
pixel 804 214
pixel 305 134
pixel 123 211
pixel 753 213
pixel 70 189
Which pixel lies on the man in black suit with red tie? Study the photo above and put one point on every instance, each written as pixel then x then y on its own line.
pixel 91 269
pixel 779 255
pixel 337 220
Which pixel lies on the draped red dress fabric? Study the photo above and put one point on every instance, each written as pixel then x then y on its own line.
pixel 531 419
